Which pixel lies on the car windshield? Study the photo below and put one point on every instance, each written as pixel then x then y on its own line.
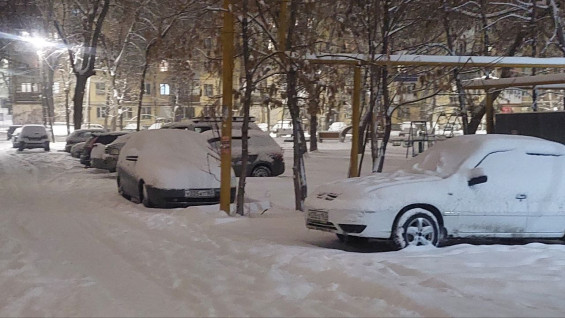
pixel 444 158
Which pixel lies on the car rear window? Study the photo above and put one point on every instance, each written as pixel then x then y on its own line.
pixel 34 130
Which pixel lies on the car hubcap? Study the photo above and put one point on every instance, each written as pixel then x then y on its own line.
pixel 420 232
pixel 261 172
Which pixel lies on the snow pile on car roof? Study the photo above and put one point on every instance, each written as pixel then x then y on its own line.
pixel 445 157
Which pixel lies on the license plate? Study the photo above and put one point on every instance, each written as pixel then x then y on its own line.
pixel 199 193
pixel 318 216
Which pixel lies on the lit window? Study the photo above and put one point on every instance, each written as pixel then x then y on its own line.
pixel 26 87
pixel 147 88
pixel 56 88
pixel 164 89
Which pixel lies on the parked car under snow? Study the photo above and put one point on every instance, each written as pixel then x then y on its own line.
pixel 265 155
pixel 499 186
pixel 108 158
pixel 80 135
pixel 169 168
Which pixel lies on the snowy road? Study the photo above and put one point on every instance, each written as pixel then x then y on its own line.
pixel 71 246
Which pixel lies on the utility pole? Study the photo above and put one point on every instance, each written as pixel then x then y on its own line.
pixel 227 104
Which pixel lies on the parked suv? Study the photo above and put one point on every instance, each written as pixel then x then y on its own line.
pixel 80 135
pixel 265 155
pixel 33 136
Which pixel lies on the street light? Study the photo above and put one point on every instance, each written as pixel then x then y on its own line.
pixel 40 44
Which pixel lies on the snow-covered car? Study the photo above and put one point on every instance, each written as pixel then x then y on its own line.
pixel 265 155
pixel 11 130
pixel 337 126
pixel 282 127
pixel 15 135
pixel 169 168
pixel 500 186
pixel 77 148
pixel 80 135
pixel 96 155
pixel 98 140
pixel 33 136
pixel 109 158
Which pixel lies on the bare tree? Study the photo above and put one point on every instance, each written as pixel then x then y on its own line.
pixel 79 24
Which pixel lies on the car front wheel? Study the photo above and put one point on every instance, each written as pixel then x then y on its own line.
pixel 261 171
pixel 416 227
pixel 145 196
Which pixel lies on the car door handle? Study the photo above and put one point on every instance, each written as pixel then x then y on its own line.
pixel 131 158
pixel 521 196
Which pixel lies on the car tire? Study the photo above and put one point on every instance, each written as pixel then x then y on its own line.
pixel 261 171
pixel 144 196
pixel 46 147
pixel 21 146
pixel 121 189
pixel 416 227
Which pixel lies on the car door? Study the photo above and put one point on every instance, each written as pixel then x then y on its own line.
pixel 546 196
pixel 495 200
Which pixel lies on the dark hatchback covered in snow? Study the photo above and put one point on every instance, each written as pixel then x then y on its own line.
pixel 169 168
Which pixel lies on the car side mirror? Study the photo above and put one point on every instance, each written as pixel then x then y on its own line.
pixel 477 180
pixel 477 176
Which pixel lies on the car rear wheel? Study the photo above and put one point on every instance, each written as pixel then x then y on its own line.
pixel 46 146
pixel 416 227
pixel 21 146
pixel 145 196
pixel 261 171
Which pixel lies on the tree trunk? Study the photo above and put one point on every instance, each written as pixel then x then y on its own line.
pixel 313 131
pixel 78 99
pixel 456 76
pixel 299 174
pixel 141 92
pixel 384 84
pixel 480 111
pixel 246 105
pixel 67 110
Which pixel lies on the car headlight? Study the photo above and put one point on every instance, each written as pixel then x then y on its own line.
pixel 114 151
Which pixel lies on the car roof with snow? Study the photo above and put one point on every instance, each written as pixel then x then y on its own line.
pixel 445 157
pixel 181 142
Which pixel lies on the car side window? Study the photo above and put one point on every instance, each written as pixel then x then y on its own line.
pixel 521 172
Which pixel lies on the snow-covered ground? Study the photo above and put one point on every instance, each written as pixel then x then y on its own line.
pixel 71 246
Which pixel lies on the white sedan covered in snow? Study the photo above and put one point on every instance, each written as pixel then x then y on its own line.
pixel 169 168
pixel 500 186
